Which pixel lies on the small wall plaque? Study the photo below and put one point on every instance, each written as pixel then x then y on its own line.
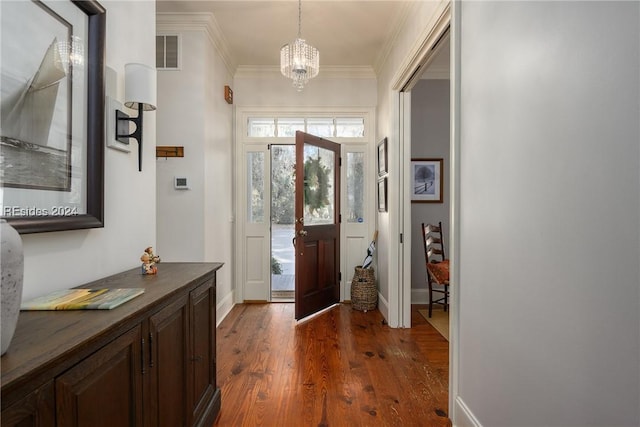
pixel 169 151
pixel 228 95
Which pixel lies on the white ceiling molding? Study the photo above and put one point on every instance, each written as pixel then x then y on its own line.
pixel 422 53
pixel 391 41
pixel 326 72
pixel 199 21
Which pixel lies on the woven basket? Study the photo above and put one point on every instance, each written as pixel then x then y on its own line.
pixel 364 293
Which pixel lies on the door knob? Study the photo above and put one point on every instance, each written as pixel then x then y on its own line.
pixel 302 233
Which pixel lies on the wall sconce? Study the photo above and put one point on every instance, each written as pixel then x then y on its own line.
pixel 140 94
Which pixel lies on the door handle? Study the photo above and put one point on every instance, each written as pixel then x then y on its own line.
pixel 293 242
pixel 302 233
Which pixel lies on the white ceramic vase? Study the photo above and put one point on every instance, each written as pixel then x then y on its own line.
pixel 12 268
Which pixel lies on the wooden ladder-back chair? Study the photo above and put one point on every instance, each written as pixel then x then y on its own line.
pixel 437 265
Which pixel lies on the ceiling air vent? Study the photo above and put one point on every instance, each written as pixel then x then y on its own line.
pixel 167 57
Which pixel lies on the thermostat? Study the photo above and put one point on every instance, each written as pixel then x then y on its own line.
pixel 180 183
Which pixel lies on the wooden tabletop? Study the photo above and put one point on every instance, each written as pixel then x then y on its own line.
pixel 47 339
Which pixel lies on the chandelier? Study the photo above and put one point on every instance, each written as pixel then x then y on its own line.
pixel 299 61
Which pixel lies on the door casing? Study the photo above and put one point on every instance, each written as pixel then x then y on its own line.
pixel 252 248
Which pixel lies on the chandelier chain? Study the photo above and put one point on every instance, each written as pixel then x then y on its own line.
pixel 299 19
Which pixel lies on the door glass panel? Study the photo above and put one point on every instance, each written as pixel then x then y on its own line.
pixel 255 186
pixel 319 189
pixel 355 187
pixel 322 127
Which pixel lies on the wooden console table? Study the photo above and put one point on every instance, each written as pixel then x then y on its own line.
pixel 149 362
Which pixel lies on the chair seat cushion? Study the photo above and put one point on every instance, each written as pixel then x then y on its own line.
pixel 439 272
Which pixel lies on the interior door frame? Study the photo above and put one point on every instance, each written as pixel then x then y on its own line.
pixel 404 81
pixel 448 20
pixel 355 237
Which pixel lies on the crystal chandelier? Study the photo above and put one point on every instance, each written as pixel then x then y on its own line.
pixel 299 61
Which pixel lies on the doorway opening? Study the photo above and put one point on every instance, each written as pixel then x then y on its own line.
pixel 426 132
pixel 283 160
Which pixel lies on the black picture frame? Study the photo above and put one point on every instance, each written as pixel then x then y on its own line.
pixel 48 219
pixel 382 194
pixel 383 169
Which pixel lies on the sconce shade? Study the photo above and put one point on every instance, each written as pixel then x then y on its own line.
pixel 140 86
pixel 139 94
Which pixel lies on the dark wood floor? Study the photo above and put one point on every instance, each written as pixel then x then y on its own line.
pixel 342 368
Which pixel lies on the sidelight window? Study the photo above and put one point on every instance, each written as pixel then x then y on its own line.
pixel 255 186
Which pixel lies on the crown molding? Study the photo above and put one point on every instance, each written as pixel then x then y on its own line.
pixel 422 50
pixel 326 72
pixel 200 21
pixel 389 45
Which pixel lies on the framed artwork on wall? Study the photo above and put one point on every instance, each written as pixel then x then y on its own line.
pixel 426 180
pixel 382 194
pixel 52 114
pixel 382 157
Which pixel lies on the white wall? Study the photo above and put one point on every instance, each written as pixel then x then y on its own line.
pixel 218 178
pixel 181 121
pixel 549 291
pixel 196 224
pixel 430 122
pixel 69 258
pixel 270 89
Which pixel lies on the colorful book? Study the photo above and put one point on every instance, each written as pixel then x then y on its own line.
pixel 82 299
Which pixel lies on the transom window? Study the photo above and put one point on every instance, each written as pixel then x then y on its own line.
pixel 286 127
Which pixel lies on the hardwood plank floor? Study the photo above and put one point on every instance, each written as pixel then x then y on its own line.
pixel 341 368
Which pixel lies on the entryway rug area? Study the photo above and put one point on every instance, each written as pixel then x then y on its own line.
pixel 439 319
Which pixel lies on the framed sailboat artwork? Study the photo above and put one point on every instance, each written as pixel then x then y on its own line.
pixel 52 114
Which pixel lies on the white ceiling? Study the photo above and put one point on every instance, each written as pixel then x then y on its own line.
pixel 347 33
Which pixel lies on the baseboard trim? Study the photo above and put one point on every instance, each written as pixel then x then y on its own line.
pixel 462 415
pixel 419 296
pixel 383 306
pixel 224 307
